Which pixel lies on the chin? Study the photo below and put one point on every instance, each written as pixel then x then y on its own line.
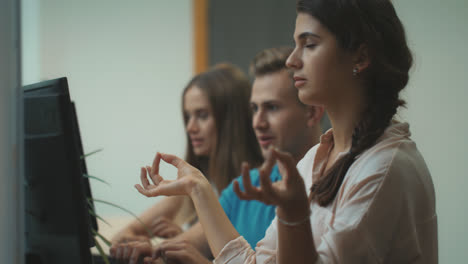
pixel 309 98
pixel 200 153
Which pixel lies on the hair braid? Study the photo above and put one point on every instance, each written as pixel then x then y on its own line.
pixel 375 24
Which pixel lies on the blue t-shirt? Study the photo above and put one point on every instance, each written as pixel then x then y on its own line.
pixel 250 218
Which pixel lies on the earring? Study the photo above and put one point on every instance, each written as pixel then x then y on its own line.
pixel 355 71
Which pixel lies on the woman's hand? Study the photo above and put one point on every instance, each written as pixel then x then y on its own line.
pixel 132 251
pixel 187 178
pixel 128 236
pixel 178 251
pixel 190 181
pixel 165 228
pixel 289 194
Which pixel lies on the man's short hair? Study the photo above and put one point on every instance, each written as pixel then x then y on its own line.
pixel 270 61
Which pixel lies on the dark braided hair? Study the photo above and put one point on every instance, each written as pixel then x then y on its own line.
pixel 375 24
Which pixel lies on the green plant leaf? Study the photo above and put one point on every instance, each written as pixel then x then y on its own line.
pixel 150 234
pixel 95 178
pixel 105 240
pixel 101 251
pixel 91 153
pixel 97 216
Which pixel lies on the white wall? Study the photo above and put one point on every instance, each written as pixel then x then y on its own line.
pixel 11 209
pixel 30 41
pixel 437 110
pixel 127 63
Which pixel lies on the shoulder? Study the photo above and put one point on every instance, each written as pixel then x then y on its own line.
pixel 393 165
pixel 394 152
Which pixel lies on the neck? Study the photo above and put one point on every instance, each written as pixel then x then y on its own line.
pixel 344 116
pixel 312 139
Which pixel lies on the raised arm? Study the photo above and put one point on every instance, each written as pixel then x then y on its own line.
pixel 196 236
pixel 294 237
pixel 288 194
pixel 191 182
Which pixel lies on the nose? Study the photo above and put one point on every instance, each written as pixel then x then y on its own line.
pixel 294 61
pixel 191 126
pixel 259 120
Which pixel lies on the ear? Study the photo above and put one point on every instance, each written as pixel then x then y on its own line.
pixel 314 115
pixel 361 58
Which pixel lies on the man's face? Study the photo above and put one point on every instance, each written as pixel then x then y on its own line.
pixel 279 119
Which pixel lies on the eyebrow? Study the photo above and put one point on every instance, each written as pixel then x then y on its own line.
pixel 197 110
pixel 304 35
pixel 267 102
pixel 201 109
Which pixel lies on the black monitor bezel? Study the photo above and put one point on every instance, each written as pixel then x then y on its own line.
pixel 80 188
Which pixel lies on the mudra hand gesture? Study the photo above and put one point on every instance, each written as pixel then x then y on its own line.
pixel 187 178
pixel 288 194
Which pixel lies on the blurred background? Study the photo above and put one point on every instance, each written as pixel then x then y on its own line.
pixel 128 62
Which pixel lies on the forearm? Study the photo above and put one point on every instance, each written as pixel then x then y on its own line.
pixel 216 225
pixel 190 181
pixel 167 207
pixel 295 242
pixel 196 237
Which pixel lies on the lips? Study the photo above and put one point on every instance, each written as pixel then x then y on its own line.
pixel 196 142
pixel 265 140
pixel 299 81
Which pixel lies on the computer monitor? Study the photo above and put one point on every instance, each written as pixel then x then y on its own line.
pixel 58 219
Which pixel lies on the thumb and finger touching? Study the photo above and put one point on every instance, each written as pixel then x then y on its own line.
pixel 268 192
pixel 286 165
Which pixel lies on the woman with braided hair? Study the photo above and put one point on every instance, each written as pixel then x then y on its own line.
pixel 364 194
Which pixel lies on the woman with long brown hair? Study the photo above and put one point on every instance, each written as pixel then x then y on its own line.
pixel 217 118
pixel 364 194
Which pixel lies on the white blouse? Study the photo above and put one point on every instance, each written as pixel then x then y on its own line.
pixel 384 211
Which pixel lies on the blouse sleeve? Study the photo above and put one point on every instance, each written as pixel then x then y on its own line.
pixel 382 212
pixel 239 251
pixel 348 238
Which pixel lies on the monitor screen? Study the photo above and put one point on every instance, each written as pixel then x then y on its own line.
pixel 58 219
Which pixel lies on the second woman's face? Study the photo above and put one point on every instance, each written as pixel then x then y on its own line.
pixel 321 68
pixel 200 125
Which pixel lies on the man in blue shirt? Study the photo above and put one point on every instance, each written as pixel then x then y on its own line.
pixel 280 120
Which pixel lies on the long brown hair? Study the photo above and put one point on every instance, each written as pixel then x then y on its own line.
pixel 228 90
pixel 375 24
